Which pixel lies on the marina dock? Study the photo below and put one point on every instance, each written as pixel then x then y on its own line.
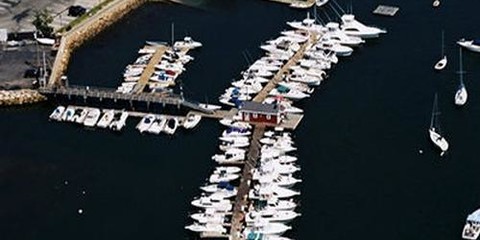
pixel 150 68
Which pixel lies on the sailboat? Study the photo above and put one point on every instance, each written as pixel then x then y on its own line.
pixel 461 94
pixel 442 62
pixel 434 130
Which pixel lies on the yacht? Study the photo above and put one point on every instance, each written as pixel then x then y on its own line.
pixel 233 138
pixel 234 131
pixel 228 169
pixel 223 176
pixel 187 43
pixel 355 28
pixel 471 231
pixel 221 186
pixel 335 33
pixel 68 114
pixel 472 45
pixel 192 121
pixel 461 95
pixel 297 86
pixel 307 24
pixel 57 113
pixel 145 123
pixel 119 121
pixel 171 126
pixel 209 106
pixel 434 130
pixel 271 216
pixel 81 116
pixel 267 228
pixel 252 235
pixel 209 227
pixel 157 125
pixel 92 117
pixel 273 203
pixel 287 181
pixel 209 216
pixel 288 93
pixel 269 191
pixel 327 43
pixel 231 156
pixel 220 205
pixel 235 124
pixel 106 119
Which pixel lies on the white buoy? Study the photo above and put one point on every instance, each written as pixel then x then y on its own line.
pixel 436 3
pixel 66 182
pixel 84 192
pixel 80 211
pixel 420 151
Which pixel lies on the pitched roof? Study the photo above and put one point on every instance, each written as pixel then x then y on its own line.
pixel 259 107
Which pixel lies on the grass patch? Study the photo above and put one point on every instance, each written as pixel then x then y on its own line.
pixel 88 14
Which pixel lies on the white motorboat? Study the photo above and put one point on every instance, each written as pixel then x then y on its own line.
pixel 472 45
pixel 221 186
pixel 434 130
pixel 288 93
pixel 119 121
pixel 187 43
pixel 191 121
pixel 355 28
pixel 209 227
pixel 252 235
pixel 461 95
pixel 271 216
pixel 333 45
pixel 335 33
pixel 273 203
pixel 68 114
pixel 171 126
pixel 233 131
pixel 80 117
pixel 320 3
pixel 209 106
pixel 269 166
pixel 224 194
pixel 442 63
pixel 302 77
pixel 44 41
pixel 220 205
pixel 269 191
pixel 297 86
pixel 307 24
pixel 157 125
pixel 267 228
pixel 234 138
pixel 471 230
pixel 209 216
pixel 57 113
pixel 106 119
pixel 227 169
pixel 223 176
pixel 145 123
pixel 235 144
pixel 92 117
pixel 234 124
pixel 232 155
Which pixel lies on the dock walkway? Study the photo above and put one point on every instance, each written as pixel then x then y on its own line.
pixel 149 69
pixel 241 200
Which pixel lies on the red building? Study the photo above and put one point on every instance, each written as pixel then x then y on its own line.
pixel 260 113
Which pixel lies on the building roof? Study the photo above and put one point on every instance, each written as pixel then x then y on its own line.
pixel 259 107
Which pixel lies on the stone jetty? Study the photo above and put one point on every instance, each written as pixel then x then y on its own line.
pixel 20 97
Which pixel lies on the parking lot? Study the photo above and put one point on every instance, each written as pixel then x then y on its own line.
pixel 16 15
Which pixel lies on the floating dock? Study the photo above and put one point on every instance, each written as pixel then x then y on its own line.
pixel 149 69
pixel 385 10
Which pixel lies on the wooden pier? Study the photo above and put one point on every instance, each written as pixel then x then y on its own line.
pixel 278 77
pixel 150 68
pixel 241 200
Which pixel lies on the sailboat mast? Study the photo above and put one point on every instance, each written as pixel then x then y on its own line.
pixel 461 66
pixel 434 109
pixel 173 33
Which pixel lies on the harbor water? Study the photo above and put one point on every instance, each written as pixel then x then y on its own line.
pixel 368 169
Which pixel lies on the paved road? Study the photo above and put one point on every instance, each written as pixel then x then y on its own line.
pixel 16 15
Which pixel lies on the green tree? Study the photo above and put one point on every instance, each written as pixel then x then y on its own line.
pixel 42 20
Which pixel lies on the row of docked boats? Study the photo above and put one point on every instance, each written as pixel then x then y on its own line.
pixel 271 205
pixel 215 202
pixel 156 124
pixel 166 71
pixel 91 117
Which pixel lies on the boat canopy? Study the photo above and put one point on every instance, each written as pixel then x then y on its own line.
pixel 474 217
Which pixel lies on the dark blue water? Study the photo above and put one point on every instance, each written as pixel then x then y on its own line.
pixel 358 143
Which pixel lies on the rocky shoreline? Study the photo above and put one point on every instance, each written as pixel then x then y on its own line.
pixel 20 97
